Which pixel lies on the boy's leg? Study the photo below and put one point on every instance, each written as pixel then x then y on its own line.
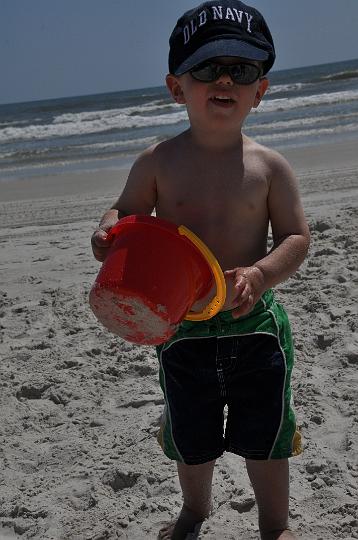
pixel 270 481
pixel 195 481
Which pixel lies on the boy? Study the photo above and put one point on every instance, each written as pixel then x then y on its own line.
pixel 227 189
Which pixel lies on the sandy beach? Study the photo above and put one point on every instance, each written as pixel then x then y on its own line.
pixel 80 408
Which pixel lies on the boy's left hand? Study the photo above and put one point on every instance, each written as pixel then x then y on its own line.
pixel 248 285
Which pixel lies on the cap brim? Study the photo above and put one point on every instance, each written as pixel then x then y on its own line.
pixel 222 47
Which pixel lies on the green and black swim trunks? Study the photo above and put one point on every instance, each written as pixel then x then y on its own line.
pixel 244 364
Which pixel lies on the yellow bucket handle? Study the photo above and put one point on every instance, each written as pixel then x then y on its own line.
pixel 218 301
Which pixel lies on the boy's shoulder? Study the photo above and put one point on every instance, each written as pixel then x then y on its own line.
pixel 274 163
pixel 253 148
pixel 150 162
pixel 160 149
pixel 156 155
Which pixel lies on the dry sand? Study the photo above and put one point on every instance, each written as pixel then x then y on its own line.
pixel 80 407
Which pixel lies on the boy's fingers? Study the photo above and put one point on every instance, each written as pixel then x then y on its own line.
pixel 245 294
pixel 230 273
pixel 100 238
pixel 245 308
pixel 100 244
pixel 100 253
pixel 242 287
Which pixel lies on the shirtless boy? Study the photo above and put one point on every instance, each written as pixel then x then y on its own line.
pixel 227 189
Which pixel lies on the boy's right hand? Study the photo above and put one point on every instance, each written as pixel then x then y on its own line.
pixel 100 243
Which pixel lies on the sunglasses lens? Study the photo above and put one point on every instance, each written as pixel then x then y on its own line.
pixel 240 73
pixel 244 73
pixel 207 72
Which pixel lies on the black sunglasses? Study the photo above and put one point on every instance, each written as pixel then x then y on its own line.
pixel 242 73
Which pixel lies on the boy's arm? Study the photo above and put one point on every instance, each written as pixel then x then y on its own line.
pixel 138 197
pixel 290 231
pixel 290 239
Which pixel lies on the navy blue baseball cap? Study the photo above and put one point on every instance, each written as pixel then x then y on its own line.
pixel 220 28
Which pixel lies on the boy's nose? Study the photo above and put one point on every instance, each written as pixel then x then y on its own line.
pixel 225 78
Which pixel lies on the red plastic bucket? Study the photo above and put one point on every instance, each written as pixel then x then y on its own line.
pixel 152 276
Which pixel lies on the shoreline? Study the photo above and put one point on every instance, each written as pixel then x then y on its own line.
pixel 321 157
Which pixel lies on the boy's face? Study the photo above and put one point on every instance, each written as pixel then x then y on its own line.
pixel 222 99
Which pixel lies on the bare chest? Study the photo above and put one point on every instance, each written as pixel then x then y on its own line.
pixel 219 193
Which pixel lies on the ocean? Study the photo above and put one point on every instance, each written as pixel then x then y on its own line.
pixel 304 106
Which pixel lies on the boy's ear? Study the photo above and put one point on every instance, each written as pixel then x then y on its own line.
pixel 175 88
pixel 263 86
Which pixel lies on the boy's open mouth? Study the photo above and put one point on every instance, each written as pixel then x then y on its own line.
pixel 222 100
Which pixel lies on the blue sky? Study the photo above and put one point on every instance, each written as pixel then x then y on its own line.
pixel 57 48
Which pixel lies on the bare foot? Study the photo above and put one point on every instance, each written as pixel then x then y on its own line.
pixel 186 527
pixel 287 535
pixel 279 535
